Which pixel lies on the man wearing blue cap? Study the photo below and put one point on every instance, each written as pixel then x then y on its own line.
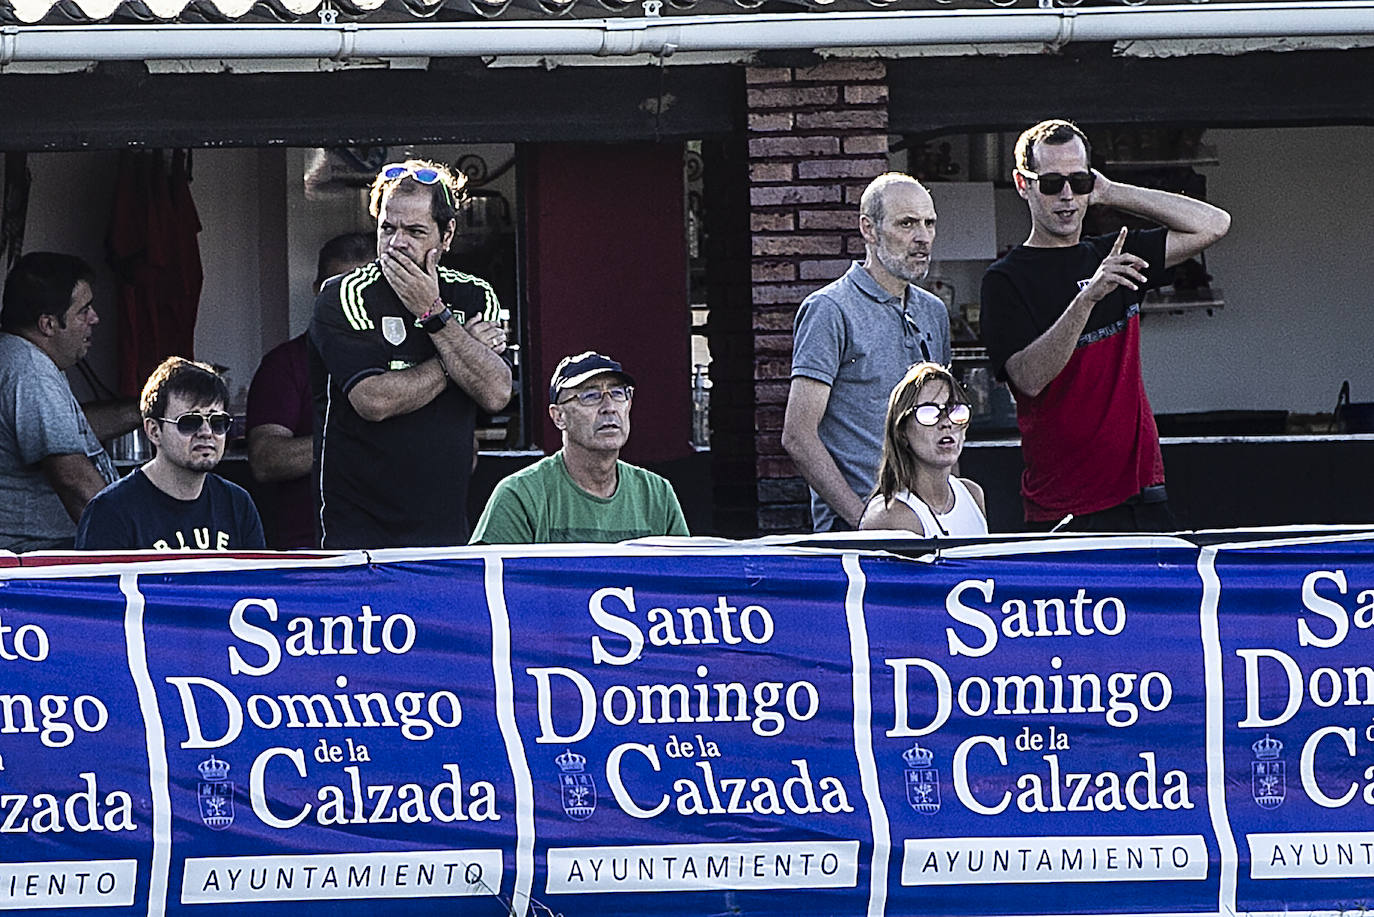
pixel 583 492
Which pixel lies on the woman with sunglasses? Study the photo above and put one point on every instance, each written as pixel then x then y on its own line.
pixel 927 417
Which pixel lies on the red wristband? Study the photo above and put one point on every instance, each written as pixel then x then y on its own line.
pixel 434 308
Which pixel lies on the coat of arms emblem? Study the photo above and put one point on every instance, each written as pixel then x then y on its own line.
pixel 215 794
pixel 393 329
pixel 1267 778
pixel 922 780
pixel 577 787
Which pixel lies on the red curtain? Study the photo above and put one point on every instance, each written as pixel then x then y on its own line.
pixel 606 268
pixel 155 254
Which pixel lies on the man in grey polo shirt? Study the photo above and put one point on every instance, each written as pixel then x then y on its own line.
pixel 853 341
pixel 51 460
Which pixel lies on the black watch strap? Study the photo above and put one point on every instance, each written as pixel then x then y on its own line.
pixel 437 321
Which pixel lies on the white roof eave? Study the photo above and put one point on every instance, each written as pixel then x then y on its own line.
pixel 663 36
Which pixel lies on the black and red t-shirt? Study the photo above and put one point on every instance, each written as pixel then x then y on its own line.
pixel 1089 439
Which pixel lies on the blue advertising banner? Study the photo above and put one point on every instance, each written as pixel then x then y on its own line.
pixel 75 799
pixel 689 734
pixel 1296 632
pixel 1087 727
pixel 1038 734
pixel 331 738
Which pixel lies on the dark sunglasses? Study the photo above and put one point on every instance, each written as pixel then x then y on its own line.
pixel 592 397
pixel 189 424
pixel 928 414
pixel 422 174
pixel 1051 183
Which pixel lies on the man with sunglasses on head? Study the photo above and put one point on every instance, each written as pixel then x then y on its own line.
pixel 403 353
pixel 583 492
pixel 1061 321
pixel 175 502
pixel 852 342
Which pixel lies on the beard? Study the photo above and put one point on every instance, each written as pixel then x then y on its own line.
pixel 898 266
pixel 197 461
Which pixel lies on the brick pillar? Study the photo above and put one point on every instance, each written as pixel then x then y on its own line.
pixel 817 135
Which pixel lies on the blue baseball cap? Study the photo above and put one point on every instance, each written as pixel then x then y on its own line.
pixel 574 370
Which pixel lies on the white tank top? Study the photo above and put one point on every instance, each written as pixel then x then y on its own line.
pixel 963 519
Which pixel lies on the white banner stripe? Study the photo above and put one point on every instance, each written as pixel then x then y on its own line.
pixel 1214 733
pixel 46 884
pixel 155 741
pixel 863 735
pixel 1053 859
pixel 658 868
pixel 494 580
pixel 236 880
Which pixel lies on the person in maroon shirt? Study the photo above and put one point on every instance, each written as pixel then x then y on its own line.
pixel 281 416
pixel 1061 321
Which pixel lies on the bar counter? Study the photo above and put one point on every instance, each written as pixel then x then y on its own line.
pixel 1220 481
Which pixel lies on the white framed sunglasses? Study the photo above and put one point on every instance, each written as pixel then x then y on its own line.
pixel 928 413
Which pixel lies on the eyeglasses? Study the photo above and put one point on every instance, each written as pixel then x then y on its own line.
pixel 592 397
pixel 1051 183
pixel 928 414
pixel 190 423
pixel 422 174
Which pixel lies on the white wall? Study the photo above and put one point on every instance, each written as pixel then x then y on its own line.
pixel 1295 270
pixel 235 295
pixel 311 223
pixel 1297 276
pixel 69 211
pixel 259 242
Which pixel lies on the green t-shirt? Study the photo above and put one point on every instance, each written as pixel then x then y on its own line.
pixel 541 505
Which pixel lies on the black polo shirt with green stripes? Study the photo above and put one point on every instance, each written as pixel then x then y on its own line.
pixel 403 481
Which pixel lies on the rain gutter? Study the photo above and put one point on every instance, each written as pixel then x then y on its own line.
pixel 661 36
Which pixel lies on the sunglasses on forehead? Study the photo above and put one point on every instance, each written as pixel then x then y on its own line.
pixel 422 174
pixel 190 423
pixel 928 413
pixel 1051 183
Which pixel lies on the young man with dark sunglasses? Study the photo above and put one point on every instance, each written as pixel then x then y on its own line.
pixel 403 353
pixel 1061 321
pixel 583 492
pixel 175 502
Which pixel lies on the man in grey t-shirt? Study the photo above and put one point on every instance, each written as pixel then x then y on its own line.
pixel 853 341
pixel 51 460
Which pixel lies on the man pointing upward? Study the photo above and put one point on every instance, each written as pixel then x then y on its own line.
pixel 1061 321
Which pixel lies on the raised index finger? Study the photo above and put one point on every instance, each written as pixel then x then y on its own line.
pixel 1120 242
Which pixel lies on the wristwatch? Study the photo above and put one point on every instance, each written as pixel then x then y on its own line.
pixel 432 323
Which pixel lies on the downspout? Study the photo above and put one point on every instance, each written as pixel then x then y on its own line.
pixel 660 36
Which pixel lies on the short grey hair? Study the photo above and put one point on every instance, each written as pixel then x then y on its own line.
pixel 873 202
